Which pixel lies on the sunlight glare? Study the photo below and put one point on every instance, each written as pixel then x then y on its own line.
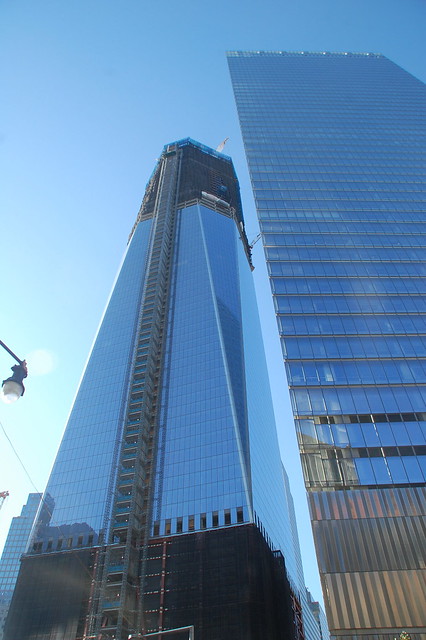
pixel 41 362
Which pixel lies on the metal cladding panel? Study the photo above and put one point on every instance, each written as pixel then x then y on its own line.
pixel 370 552
pixel 376 503
pixel 393 602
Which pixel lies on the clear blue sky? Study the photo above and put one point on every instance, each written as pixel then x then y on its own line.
pixel 91 90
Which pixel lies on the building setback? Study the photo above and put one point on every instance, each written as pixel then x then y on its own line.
pixel 170 509
pixel 336 146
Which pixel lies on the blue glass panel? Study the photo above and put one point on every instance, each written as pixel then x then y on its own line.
pixel 370 435
pixel 82 478
pixel 365 471
pixel 274 512
pixel 381 471
pixel 306 429
pixel 413 470
pixel 356 437
pixel 221 246
pixel 343 233
pixel 324 434
pixel 400 433
pixel 397 469
pixel 422 463
pixel 415 432
pixel 385 433
pixel 335 147
pixel 340 433
pixel 200 465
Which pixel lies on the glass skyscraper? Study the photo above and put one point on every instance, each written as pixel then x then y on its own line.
pixel 336 147
pixel 15 546
pixel 170 507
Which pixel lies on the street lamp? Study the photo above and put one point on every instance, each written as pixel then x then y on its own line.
pixel 13 387
pixel 142 636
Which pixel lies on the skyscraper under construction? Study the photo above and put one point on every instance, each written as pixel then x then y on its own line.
pixel 169 501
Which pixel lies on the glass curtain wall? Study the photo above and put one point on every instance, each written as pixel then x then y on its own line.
pixel 172 434
pixel 336 151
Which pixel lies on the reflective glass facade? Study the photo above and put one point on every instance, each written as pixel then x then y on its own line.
pixel 336 146
pixel 203 462
pixel 15 546
pixel 172 432
pixel 83 476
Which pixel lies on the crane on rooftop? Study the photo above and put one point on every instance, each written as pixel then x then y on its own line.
pixel 3 496
pixel 222 144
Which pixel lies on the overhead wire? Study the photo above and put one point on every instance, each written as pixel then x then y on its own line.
pixel 18 457
pixel 73 551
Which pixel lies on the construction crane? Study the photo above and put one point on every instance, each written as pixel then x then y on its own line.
pixel 257 238
pixel 222 144
pixel 3 496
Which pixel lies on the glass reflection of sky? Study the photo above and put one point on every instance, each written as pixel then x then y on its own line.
pixel 80 479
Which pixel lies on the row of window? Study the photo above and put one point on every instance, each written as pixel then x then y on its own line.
pixel 351 325
pixel 351 214
pixel 313 99
pixel 349 285
pixel 300 226
pixel 329 400
pixel 332 147
pixel 346 184
pixel 348 269
pixel 329 254
pixel 357 372
pixel 343 240
pixel 314 105
pixel 265 173
pixel 350 304
pixel 352 347
pixel 273 163
pixel 339 205
pixel 275 123
pixel 392 470
pixel 355 418
pixel 266 151
pixel 362 471
pixel 362 434
pixel 62 542
pixel 201 521
pixel 334 193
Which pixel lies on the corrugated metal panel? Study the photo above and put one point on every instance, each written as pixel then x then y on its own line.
pixel 376 503
pixel 371 552
pixel 378 599
pixel 370 545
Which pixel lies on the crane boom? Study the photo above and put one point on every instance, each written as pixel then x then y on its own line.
pixel 3 496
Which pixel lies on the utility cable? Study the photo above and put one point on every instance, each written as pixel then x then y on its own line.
pixel 19 459
pixel 73 551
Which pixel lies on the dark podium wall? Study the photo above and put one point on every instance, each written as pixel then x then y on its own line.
pixel 51 597
pixel 227 583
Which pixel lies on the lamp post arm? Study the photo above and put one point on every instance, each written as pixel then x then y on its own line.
pixel 10 352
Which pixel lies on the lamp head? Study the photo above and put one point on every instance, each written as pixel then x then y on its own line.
pixel 13 387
